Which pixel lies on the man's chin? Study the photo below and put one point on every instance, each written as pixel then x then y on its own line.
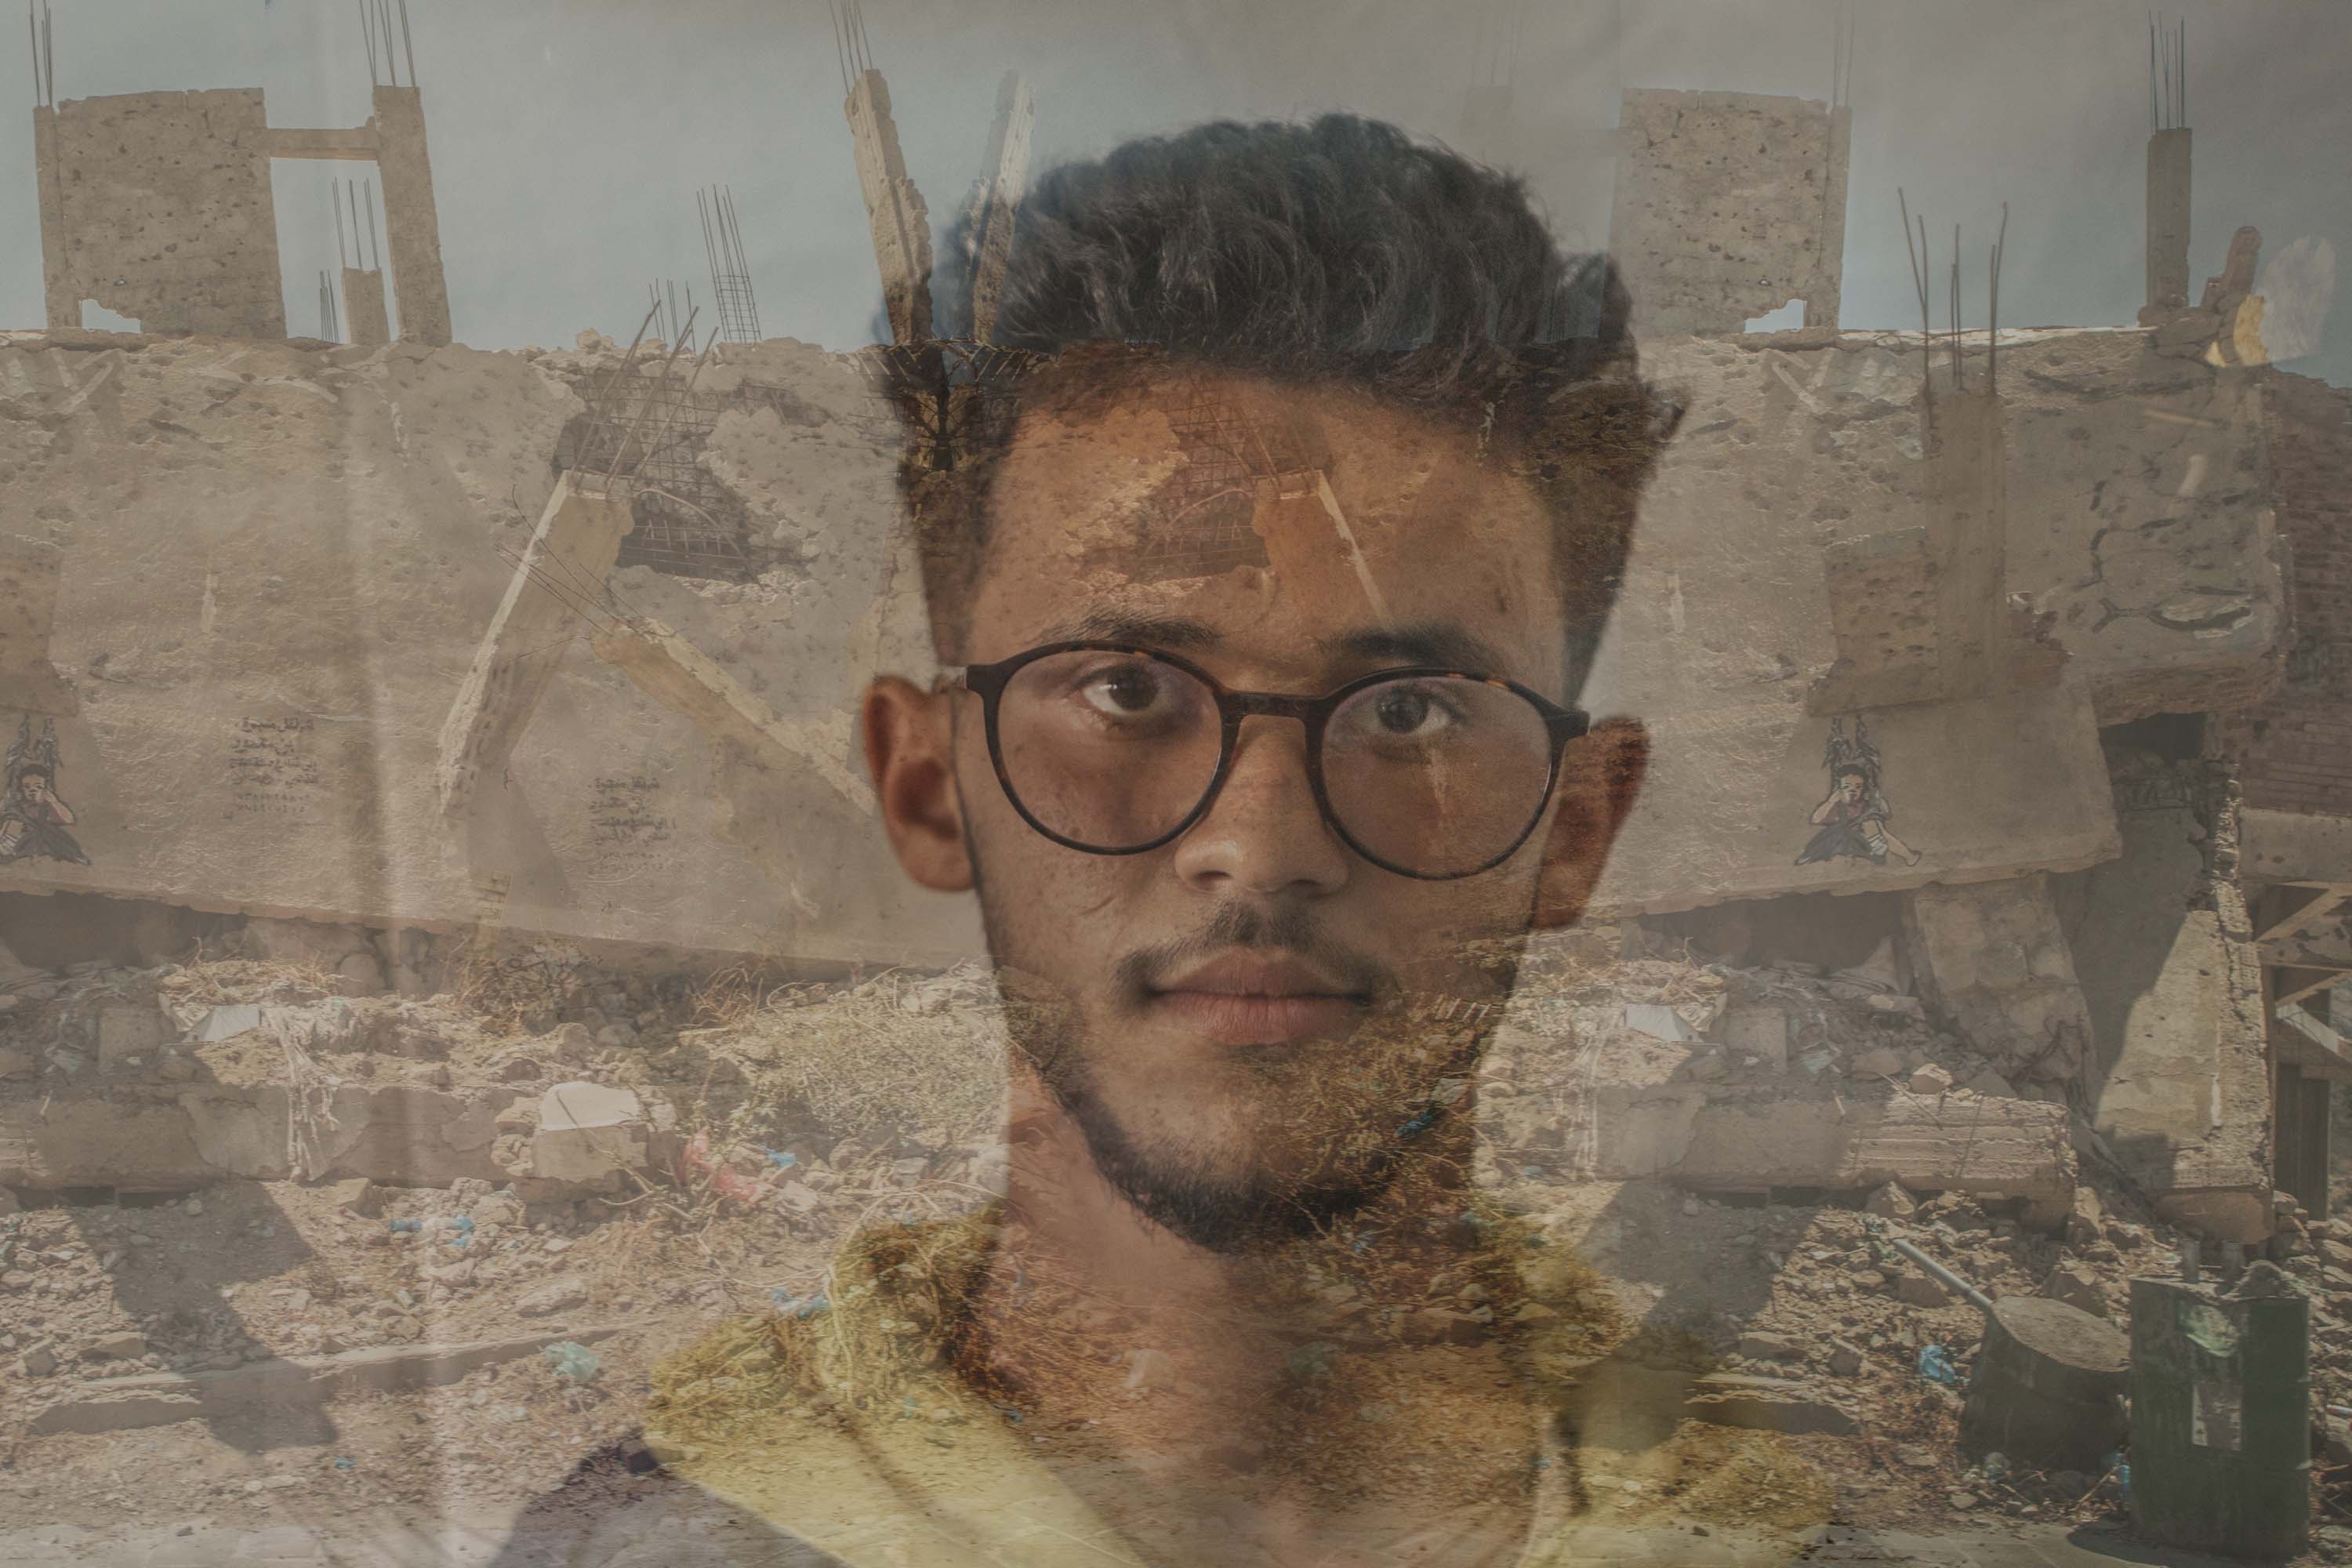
pixel 1225 1174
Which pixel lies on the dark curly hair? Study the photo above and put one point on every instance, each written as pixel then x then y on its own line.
pixel 1338 250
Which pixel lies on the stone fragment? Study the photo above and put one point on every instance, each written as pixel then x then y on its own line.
pixel 17 1064
pixel 2077 1285
pixel 1767 1404
pixel 227 1021
pixel 1891 1202
pixel 800 1197
pixel 115 1347
pixel 1991 1084
pixel 2084 1220
pixel 1879 1061
pixel 1930 1079
pixel 39 1359
pixel 357 1194
pixel 1759 1344
pixel 1921 1290
pixel 1846 1358
pixel 1899 1008
pixel 559 1294
pixel 128 1033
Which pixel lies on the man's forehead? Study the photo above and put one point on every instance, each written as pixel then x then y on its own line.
pixel 1215 506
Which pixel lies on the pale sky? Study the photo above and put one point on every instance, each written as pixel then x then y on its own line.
pixel 568 135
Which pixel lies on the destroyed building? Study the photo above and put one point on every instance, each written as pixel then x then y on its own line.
pixel 2000 686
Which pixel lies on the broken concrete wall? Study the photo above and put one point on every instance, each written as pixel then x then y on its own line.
pixel 267 646
pixel 2178 1081
pixel 157 205
pixel 1729 205
pixel 2292 753
pixel 1788 532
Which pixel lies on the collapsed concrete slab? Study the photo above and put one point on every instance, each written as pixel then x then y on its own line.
pixel 1995 962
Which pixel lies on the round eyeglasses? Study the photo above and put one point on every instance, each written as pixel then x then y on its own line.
pixel 1428 773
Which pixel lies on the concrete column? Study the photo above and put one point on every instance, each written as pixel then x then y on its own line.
pixel 414 228
pixel 57 291
pixel 901 223
pixel 2168 219
pixel 1822 299
pixel 1967 541
pixel 363 312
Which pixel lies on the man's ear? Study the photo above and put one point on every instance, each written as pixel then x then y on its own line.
pixel 911 753
pixel 1600 776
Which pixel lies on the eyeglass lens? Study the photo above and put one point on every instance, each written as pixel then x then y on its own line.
pixel 1113 751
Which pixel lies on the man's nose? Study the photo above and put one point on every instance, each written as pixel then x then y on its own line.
pixel 1263 832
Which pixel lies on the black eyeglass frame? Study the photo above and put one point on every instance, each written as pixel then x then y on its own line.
pixel 988 682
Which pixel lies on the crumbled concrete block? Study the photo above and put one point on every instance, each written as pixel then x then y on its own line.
pixel 128 1033
pixel 115 1347
pixel 1891 1202
pixel 587 1133
pixel 1846 1358
pixel 38 1359
pixel 1760 1031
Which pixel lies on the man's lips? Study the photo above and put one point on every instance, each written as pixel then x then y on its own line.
pixel 1241 999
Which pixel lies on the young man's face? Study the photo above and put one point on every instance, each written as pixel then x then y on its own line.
pixel 1239 1019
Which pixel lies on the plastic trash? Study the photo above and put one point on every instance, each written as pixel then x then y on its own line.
pixel 1936 1367
pixel 781 1159
pixel 1996 1467
pixel 801 1307
pixel 572 1359
pixel 404 1226
pixel 343 1464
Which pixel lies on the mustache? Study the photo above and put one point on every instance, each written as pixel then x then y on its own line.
pixel 1245 926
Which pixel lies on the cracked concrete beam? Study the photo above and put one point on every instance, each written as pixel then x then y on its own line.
pixel 996 201
pixel 673 672
pixel 894 208
pixel 567 558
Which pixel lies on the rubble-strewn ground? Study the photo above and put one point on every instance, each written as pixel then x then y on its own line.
pixel 786 1118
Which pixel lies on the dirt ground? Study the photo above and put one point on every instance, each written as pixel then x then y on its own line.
pixel 823 1108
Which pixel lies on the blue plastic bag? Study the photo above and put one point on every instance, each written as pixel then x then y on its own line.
pixel 1936 1367
pixel 571 1359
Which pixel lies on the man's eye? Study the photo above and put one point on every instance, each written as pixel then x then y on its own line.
pixel 1126 691
pixel 1409 712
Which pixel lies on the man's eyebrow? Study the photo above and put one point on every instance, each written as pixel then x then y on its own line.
pixel 1436 643
pixel 1177 634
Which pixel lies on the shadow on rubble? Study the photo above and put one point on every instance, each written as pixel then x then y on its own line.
pixel 180 1289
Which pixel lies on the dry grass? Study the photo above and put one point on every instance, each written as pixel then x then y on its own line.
pixel 507 987
pixel 215 981
pixel 899 1053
